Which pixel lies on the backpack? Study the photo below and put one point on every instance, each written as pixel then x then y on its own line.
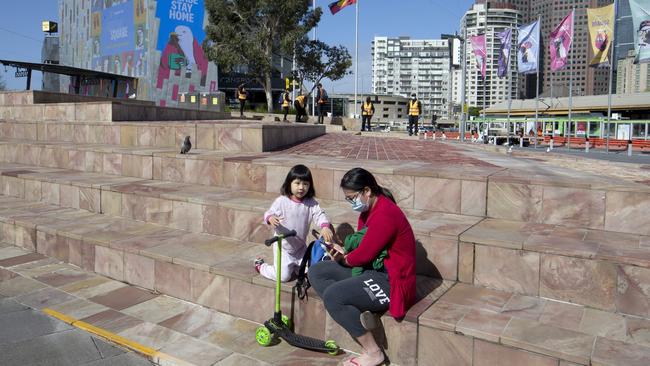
pixel 315 253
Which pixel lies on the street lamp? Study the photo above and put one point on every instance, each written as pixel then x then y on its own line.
pixel 452 52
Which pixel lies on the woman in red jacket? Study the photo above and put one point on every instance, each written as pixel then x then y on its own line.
pixel 351 299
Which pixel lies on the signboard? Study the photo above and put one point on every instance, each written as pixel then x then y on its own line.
pixel 117 29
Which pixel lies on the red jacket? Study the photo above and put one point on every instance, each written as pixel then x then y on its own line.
pixel 388 228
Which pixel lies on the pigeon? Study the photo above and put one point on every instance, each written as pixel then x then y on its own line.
pixel 187 145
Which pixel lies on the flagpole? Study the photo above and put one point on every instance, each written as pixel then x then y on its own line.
pixel 485 36
pixel 313 96
pixel 539 27
pixel 611 71
pixel 509 85
pixel 463 114
pixel 573 20
pixel 356 55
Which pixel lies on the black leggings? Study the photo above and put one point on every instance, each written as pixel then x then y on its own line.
pixel 242 103
pixel 346 297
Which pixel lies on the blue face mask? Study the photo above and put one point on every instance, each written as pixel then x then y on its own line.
pixel 358 205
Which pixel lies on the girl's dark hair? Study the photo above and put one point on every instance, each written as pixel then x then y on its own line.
pixel 357 179
pixel 299 172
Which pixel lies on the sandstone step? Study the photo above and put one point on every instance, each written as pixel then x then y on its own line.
pixel 226 135
pixel 229 213
pixel 477 326
pixel 29 97
pixel 201 268
pixel 103 111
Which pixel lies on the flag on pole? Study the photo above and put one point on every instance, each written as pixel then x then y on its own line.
pixel 336 6
pixel 505 37
pixel 528 48
pixel 478 45
pixel 601 31
pixel 641 20
pixel 559 43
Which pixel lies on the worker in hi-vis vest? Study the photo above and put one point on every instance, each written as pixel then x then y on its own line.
pixel 286 102
pixel 242 95
pixel 415 109
pixel 299 105
pixel 367 110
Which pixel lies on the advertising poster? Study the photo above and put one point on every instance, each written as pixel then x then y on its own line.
pixel 601 30
pixel 179 40
pixel 478 45
pixel 560 43
pixel 641 20
pixel 528 48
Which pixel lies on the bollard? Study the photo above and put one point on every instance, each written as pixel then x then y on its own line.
pixel 434 136
pixel 551 146
pixel 521 141
pixel 629 148
pixel 425 135
pixel 587 145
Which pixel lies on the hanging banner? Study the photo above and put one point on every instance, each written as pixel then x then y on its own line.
pixel 601 33
pixel 478 45
pixel 641 20
pixel 528 48
pixel 559 44
pixel 505 38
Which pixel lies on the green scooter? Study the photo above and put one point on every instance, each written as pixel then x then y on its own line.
pixel 278 325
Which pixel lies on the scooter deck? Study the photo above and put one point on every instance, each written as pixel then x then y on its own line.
pixel 296 340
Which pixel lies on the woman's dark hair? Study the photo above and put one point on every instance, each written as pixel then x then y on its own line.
pixel 299 172
pixel 357 179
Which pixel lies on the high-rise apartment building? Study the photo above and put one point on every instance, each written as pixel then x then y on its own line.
pixel 493 89
pixel 586 80
pixel 632 78
pixel 401 66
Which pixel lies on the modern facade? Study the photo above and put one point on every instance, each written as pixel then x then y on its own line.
pixel 401 66
pixel 479 92
pixel 632 78
pixel 388 108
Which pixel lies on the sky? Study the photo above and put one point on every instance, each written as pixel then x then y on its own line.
pixel 20 31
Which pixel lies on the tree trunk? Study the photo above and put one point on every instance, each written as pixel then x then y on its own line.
pixel 267 91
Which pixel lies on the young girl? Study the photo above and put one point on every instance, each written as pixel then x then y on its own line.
pixel 295 209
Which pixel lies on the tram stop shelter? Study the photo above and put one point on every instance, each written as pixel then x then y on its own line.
pixel 81 79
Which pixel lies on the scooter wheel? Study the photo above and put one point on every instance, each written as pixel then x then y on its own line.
pixel 286 321
pixel 332 347
pixel 263 336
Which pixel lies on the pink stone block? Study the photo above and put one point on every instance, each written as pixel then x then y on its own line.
pixel 173 170
pixel 25 238
pixel 232 223
pixel 128 136
pixel 442 195
pixel 246 176
pixel 438 256
pixel 187 216
pixel 77 160
pixel 80 134
pixel 139 270
pixel 519 202
pixel 112 164
pixel 112 135
pixel 145 136
pixel 52 246
pixel 633 291
pixel 275 176
pixel 466 262
pixel 473 198
pixel 205 172
pixel 69 196
pixel 164 136
pixel 490 354
pixel 89 199
pixel 483 324
pixel 82 254
pixel 173 280
pixel 94 162
pixel 446 348
pixel 401 186
pixel 50 193
pixel 628 212
pixel 574 207
pixel 205 137
pixel 507 270
pixel 33 190
pixel 109 262
pixel 228 138
pixel 209 290
pixel 586 282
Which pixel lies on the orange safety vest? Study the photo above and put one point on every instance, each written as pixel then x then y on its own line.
pixel 301 100
pixel 413 108
pixel 367 109
pixel 285 100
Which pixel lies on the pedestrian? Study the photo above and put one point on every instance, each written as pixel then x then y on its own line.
pixel 367 112
pixel 415 109
pixel 355 301
pixel 242 95
pixel 295 209
pixel 299 106
pixel 321 99
pixel 286 102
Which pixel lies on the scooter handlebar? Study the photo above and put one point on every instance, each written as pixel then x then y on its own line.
pixel 272 240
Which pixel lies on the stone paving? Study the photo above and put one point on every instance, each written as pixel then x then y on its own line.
pixel 187 331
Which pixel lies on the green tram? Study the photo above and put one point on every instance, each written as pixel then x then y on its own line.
pixel 579 127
